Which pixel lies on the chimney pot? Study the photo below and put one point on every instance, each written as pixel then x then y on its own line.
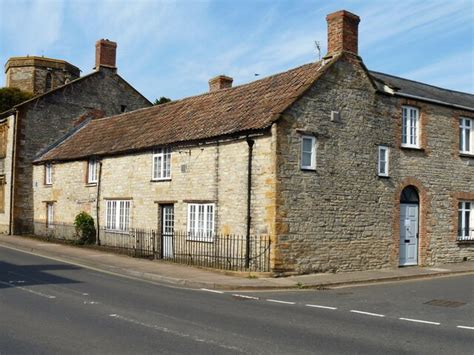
pixel 343 32
pixel 105 53
pixel 220 82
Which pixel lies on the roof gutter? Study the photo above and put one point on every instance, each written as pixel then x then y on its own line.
pixel 432 100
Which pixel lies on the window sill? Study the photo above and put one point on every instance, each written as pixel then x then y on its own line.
pixel 116 231
pixel 47 185
pixel 160 180
pixel 384 176
pixel 91 184
pixel 466 241
pixel 307 169
pixel 466 155
pixel 412 148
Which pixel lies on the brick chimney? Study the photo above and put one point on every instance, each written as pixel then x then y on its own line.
pixel 220 82
pixel 105 53
pixel 343 32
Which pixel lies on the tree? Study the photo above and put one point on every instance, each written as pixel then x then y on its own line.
pixel 10 97
pixel 162 100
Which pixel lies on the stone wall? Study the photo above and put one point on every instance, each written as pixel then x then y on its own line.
pixel 214 173
pixel 29 73
pixel 5 170
pixel 343 216
pixel 45 120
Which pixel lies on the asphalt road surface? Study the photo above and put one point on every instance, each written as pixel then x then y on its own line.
pixel 50 307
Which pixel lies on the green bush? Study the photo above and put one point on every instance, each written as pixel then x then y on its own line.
pixel 85 228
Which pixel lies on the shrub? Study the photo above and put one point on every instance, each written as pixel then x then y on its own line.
pixel 85 228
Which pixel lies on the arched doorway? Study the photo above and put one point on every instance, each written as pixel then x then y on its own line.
pixel 409 226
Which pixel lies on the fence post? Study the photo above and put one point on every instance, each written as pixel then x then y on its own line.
pixel 153 240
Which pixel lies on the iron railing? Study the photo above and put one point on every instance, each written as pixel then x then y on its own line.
pixel 219 251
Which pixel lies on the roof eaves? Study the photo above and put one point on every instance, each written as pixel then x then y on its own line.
pixel 205 140
pixel 322 69
pixel 439 102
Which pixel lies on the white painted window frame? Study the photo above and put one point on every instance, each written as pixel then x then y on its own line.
pixel 117 215
pixel 49 215
pixel 48 174
pixel 201 229
pixel 312 166
pixel 161 167
pixel 462 221
pixel 383 163
pixel 411 128
pixel 92 171
pixel 466 128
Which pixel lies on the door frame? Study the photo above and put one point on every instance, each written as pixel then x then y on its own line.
pixel 406 205
pixel 162 232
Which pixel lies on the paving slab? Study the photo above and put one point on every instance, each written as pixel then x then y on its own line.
pixel 188 276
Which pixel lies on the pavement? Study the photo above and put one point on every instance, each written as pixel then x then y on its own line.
pixel 188 276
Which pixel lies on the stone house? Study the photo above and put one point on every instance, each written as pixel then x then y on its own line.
pixel 344 168
pixel 63 102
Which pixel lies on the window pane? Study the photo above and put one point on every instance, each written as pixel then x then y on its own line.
pixel 306 159
pixel 307 145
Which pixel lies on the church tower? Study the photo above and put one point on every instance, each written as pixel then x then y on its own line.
pixel 38 74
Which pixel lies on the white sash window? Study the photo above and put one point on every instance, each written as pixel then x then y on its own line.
pixel 118 215
pixel 466 135
pixel 162 164
pixel 201 221
pixel 410 127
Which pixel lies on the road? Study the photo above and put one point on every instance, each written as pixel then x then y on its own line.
pixel 50 307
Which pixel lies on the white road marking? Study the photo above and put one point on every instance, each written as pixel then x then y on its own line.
pixel 319 306
pixel 28 290
pixel 367 313
pixel 464 327
pixel 176 333
pixel 85 294
pixel 213 291
pixel 244 296
pixel 419 321
pixel 91 302
pixel 278 301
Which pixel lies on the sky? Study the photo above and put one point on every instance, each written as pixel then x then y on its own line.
pixel 172 48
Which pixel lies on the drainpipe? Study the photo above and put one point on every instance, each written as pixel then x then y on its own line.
pixel 250 143
pixel 97 207
pixel 12 174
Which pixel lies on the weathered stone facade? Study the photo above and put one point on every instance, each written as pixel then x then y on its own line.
pixel 38 74
pixel 210 173
pixel 343 216
pixel 43 121
pixel 340 214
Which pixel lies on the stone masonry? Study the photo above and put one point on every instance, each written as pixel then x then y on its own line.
pixel 209 173
pixel 30 73
pixel 45 120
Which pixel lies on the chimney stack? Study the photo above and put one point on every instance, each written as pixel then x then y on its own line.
pixel 105 54
pixel 343 32
pixel 220 82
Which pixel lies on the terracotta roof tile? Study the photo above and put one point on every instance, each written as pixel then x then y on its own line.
pixel 247 107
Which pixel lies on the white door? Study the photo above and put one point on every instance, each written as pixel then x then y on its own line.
pixel 167 218
pixel 408 234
